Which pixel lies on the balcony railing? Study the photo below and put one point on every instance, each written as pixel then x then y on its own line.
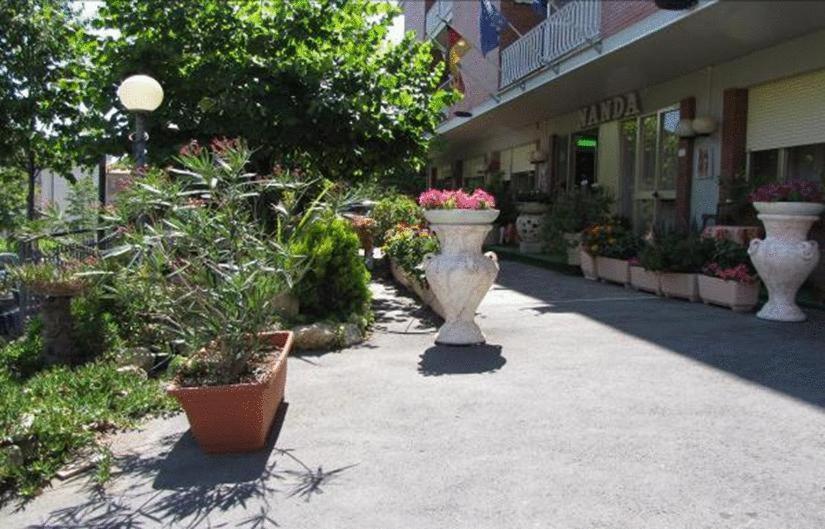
pixel 440 11
pixel 573 26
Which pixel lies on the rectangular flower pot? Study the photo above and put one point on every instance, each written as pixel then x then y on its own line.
pixel 739 297
pixel 615 270
pixel 588 265
pixel 236 417
pixel 573 242
pixel 411 283
pixel 678 285
pixel 642 279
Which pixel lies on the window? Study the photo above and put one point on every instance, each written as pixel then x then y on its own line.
pixel 524 181
pixel 804 161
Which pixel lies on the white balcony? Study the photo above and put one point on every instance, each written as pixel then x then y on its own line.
pixel 570 28
pixel 438 15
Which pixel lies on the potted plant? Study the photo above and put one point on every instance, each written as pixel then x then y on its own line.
pixel 55 285
pixel 532 207
pixel 571 213
pixel 729 278
pixel 459 274
pixel 406 246
pixel 678 259
pixel 785 258
pixel 612 244
pixel 644 279
pixel 217 272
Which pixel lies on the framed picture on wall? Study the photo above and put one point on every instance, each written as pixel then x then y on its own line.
pixel 704 161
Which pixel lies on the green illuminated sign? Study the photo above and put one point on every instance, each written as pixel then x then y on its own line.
pixel 588 143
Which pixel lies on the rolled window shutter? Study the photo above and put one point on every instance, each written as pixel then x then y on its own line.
pixel 787 113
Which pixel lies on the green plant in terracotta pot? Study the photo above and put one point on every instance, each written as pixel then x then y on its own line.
pixel 570 214
pixel 217 272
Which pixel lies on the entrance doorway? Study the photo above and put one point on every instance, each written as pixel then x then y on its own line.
pixel 585 147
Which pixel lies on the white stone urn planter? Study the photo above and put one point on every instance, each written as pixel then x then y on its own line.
pixel 528 225
pixel 680 285
pixel 424 293
pixel 573 242
pixel 588 265
pixel 645 280
pixel 784 258
pixel 460 275
pixel 614 270
pixel 737 296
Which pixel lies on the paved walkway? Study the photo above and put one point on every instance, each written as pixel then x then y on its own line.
pixel 592 407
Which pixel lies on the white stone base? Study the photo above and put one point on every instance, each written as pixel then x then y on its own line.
pixel 460 333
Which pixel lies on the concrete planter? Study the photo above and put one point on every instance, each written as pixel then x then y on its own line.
pixel 588 265
pixel 460 276
pixel 642 279
pixel 677 285
pixel 528 224
pixel 784 258
pixel 574 244
pixel 614 270
pixel 416 287
pixel 739 297
pixel 236 417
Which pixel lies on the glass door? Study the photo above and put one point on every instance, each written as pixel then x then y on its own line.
pixel 654 193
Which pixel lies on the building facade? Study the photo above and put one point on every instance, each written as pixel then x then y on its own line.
pixel 607 92
pixel 603 102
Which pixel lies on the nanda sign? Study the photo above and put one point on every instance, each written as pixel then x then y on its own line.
pixel 609 110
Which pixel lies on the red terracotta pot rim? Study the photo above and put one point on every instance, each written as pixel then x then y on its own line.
pixel 174 387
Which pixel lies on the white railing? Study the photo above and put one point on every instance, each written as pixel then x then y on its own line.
pixel 440 11
pixel 524 55
pixel 575 25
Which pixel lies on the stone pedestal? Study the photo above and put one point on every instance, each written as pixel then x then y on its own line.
pixel 460 275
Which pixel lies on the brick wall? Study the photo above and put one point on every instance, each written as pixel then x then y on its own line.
pixel 617 15
pixel 522 16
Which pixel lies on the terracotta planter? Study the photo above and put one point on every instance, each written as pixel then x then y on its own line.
pixel 615 270
pixel 676 285
pixel 739 297
pixel 574 244
pixel 588 265
pixel 236 417
pixel 642 279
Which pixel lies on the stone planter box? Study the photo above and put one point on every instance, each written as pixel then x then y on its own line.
pixel 614 270
pixel 739 297
pixel 677 285
pixel 588 265
pixel 642 279
pixel 412 284
pixel 574 244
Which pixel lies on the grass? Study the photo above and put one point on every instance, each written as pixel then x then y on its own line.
pixel 53 414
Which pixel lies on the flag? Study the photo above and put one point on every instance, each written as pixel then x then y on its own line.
pixel 458 47
pixel 491 23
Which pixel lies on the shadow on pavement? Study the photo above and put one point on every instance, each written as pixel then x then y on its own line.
pixel 788 358
pixel 446 360
pixel 181 486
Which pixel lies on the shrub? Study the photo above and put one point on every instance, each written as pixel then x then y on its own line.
pixel 572 212
pixel 611 239
pixel 393 210
pixel 676 252
pixel 55 413
pixel 336 285
pixel 730 260
pixel 407 245
pixel 21 358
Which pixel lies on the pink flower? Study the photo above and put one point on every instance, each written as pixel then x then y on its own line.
pixel 790 191
pixel 446 199
pixel 739 273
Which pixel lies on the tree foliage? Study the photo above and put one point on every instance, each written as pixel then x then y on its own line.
pixel 313 82
pixel 41 49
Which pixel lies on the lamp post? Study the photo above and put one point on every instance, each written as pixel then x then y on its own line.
pixel 140 94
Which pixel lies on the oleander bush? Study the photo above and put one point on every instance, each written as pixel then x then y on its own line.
pixel 393 210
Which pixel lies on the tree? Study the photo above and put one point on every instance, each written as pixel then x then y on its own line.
pixel 40 112
pixel 306 82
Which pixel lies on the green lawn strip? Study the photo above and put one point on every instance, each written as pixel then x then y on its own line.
pixel 57 412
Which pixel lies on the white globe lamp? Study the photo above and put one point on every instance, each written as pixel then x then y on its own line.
pixel 140 94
